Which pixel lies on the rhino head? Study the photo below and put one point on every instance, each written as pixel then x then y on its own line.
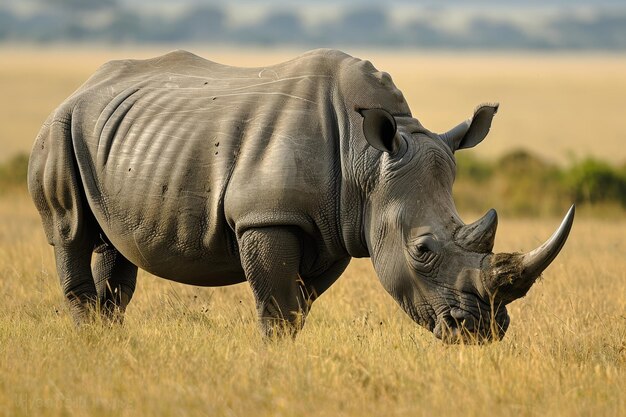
pixel 441 271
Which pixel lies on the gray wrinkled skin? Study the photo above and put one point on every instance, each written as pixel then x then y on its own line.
pixel 212 175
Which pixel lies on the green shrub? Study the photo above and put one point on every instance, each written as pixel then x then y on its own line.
pixel 593 181
pixel 528 185
pixel 468 167
pixel 521 183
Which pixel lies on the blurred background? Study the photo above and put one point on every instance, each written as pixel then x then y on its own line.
pixel 452 24
pixel 558 68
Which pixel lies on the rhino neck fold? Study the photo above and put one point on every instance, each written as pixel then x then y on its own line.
pixel 352 229
pixel 352 198
pixel 352 214
pixel 355 211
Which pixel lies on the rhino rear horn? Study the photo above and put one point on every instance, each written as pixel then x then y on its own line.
pixel 473 130
pixel 379 128
pixel 480 235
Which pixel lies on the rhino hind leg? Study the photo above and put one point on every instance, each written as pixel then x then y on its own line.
pixel 55 186
pixel 271 260
pixel 115 278
pixel 74 270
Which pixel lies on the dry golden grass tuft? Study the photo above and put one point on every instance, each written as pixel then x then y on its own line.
pixel 196 351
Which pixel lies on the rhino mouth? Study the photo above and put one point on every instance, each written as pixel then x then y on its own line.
pixel 459 317
pixel 456 325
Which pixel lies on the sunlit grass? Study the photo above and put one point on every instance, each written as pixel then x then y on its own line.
pixel 196 351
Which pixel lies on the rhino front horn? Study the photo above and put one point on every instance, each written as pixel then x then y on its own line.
pixel 535 262
pixel 512 274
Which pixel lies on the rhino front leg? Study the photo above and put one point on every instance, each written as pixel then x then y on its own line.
pixel 271 260
pixel 115 278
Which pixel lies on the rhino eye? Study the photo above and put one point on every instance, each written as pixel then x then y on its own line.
pixel 424 244
pixel 422 253
pixel 422 249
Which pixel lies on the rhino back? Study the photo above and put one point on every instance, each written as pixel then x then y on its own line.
pixel 158 142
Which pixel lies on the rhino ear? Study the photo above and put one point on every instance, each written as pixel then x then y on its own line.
pixel 379 128
pixel 472 131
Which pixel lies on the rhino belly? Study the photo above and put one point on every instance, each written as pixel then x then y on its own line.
pixel 180 245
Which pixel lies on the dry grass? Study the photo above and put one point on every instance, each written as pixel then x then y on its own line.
pixel 196 351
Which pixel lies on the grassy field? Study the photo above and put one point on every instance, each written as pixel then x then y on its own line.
pixel 195 351
pixel 190 351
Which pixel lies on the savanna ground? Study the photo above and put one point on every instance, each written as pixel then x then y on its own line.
pixel 196 351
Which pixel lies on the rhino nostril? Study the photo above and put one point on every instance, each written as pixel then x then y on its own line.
pixel 457 313
pixel 448 329
pixel 443 326
pixel 463 319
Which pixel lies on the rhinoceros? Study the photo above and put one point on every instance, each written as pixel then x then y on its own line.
pixel 212 175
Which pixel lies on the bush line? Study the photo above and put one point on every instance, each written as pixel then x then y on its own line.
pixel 522 183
